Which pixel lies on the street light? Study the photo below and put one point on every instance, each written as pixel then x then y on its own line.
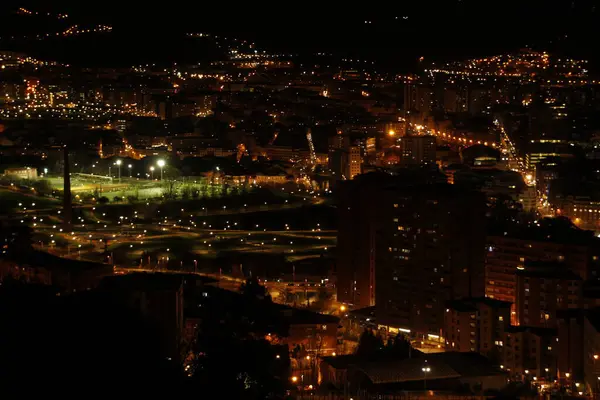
pixel 425 370
pixel 119 162
pixel 129 166
pixel 152 173
pixel 161 164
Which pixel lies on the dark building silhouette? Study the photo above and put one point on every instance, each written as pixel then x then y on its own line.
pixel 157 297
pixel 409 244
pixel 357 224
pixel 430 249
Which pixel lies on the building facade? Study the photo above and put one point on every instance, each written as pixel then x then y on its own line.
pixel 427 254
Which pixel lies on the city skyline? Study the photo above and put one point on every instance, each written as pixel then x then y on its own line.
pixel 302 201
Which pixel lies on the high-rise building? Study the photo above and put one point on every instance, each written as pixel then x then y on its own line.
pixel 354 162
pixel 345 159
pixel 430 249
pixel 543 288
pixel 417 150
pixel 357 225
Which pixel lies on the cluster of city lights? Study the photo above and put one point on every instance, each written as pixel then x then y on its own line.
pixel 530 65
pixel 24 11
pixel 74 30
pixel 15 60
pixel 70 111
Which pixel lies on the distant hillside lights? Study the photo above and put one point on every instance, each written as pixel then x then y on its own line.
pixel 71 31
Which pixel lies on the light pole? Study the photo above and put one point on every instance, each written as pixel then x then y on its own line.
pixel 152 173
pixel 295 381
pixel 130 166
pixel 425 370
pixel 161 164
pixel 119 162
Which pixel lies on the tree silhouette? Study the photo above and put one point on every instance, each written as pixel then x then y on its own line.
pixel 237 356
pixel 43 187
pixel 399 347
pixel 369 344
pixel 252 289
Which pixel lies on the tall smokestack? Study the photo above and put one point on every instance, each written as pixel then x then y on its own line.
pixel 67 204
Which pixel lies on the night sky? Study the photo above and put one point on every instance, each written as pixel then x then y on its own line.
pixel 395 36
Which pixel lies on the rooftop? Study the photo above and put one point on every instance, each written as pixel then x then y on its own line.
pixel 443 366
pixel 538 331
pixel 367 312
pixel 548 269
pixel 557 230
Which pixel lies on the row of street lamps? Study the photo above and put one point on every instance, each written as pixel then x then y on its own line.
pixel 160 163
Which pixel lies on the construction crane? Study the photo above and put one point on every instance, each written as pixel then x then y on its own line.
pixel 311 147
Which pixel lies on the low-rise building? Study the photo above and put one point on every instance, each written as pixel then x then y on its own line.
pixel 583 211
pixel 450 373
pixel 529 352
pixel 548 240
pixel 22 172
pixel 476 324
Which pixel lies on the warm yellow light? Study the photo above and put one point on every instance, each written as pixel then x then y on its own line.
pixel 391 132
pixel 342 308
pixel 294 379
